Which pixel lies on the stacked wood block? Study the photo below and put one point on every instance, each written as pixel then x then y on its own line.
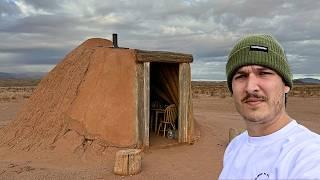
pixel 128 162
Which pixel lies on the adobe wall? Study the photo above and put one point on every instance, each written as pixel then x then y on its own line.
pixel 105 104
pixel 86 102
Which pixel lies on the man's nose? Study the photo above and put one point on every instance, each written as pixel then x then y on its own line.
pixel 252 84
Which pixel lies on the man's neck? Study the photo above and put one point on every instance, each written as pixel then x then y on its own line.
pixel 263 129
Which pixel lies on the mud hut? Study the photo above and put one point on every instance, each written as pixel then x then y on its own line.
pixel 100 94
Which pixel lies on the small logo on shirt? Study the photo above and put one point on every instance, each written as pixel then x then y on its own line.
pixel 262 176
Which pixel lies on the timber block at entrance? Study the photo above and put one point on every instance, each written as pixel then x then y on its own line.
pixel 128 162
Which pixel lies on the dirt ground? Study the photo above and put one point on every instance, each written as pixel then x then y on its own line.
pixel 202 160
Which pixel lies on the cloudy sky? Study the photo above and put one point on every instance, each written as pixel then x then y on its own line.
pixel 36 34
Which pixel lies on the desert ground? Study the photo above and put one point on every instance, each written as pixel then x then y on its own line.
pixel 214 115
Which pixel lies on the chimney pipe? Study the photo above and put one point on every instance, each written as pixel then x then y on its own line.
pixel 115 40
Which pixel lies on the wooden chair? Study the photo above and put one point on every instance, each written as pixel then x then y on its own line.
pixel 170 116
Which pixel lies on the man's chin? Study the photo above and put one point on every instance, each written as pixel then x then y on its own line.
pixel 253 118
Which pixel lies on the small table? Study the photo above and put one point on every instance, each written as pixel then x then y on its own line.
pixel 157 111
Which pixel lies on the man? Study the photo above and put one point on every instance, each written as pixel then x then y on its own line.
pixel 274 146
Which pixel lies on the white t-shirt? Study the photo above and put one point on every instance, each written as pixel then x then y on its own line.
pixel 292 152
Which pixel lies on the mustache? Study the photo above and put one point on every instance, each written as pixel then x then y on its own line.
pixel 255 96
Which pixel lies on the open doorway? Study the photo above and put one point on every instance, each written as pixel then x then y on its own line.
pixel 164 103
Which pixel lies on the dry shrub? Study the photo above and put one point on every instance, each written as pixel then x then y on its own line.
pixel 26 96
pixel 195 96
pixel 7 96
pixel 222 95
pixel 15 93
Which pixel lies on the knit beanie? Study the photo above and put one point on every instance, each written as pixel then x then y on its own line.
pixel 260 49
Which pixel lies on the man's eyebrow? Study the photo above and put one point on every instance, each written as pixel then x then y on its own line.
pixel 241 72
pixel 263 68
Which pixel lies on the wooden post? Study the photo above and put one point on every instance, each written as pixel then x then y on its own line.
pixel 184 103
pixel 127 162
pixel 146 102
pixel 143 102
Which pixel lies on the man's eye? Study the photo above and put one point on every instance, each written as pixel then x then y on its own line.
pixel 265 73
pixel 239 76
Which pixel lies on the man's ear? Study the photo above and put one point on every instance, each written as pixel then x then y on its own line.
pixel 286 89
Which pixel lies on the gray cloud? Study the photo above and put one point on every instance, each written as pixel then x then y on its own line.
pixel 47 5
pixel 8 8
pixel 38 33
pixel 47 56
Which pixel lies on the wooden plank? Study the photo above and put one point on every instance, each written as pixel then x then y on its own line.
pixel 140 104
pixel 146 97
pixel 161 94
pixel 184 97
pixel 174 79
pixel 188 101
pixel 143 98
pixel 190 109
pixel 165 82
pixel 163 56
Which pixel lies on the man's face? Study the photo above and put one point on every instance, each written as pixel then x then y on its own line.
pixel 259 94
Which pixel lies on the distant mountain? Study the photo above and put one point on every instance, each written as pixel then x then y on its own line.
pixel 6 75
pixel 306 81
pixel 28 75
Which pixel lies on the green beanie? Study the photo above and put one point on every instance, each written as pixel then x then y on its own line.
pixel 261 49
